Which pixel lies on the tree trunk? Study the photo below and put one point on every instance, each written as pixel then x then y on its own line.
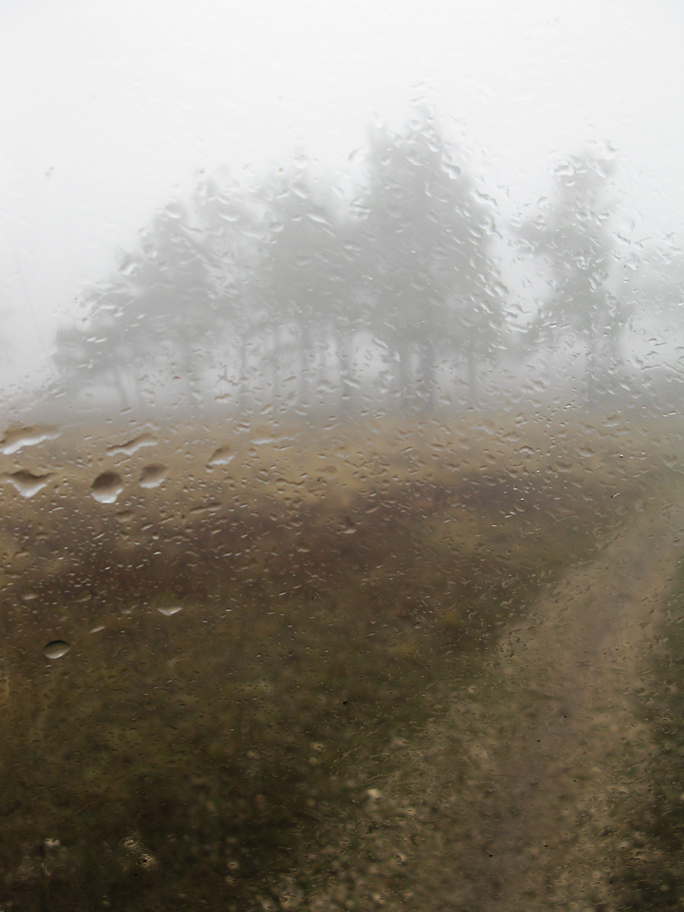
pixel 276 367
pixel 591 369
pixel 471 378
pixel 243 378
pixel 304 358
pixel 120 387
pixel 404 376
pixel 427 370
pixel 345 359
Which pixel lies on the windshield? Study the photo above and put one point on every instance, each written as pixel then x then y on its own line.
pixel 340 456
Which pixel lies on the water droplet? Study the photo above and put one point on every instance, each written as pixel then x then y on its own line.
pixel 205 508
pixel 453 171
pixel 319 218
pixel 132 843
pixel 132 446
pixel 222 456
pixel 168 610
pixel 106 487
pixel 261 435
pixel 147 861
pixel 18 437
pixel 26 483
pixel 56 649
pixel 152 476
pixel 128 266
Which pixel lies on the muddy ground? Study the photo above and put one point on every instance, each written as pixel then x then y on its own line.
pixel 391 663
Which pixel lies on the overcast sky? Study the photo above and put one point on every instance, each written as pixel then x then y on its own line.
pixel 110 108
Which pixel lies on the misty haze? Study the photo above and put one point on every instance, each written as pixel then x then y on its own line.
pixel 342 550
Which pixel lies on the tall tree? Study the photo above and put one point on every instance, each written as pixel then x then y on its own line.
pixel 173 304
pixel 303 279
pixel 162 311
pixel 235 233
pixel 426 256
pixel 571 235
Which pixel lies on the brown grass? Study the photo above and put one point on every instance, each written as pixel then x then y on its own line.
pixel 333 580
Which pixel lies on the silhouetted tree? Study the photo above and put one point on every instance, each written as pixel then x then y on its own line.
pixel 302 283
pixel 100 350
pixel 172 301
pixel 235 235
pixel 288 273
pixel 426 256
pixel 571 235
pixel 159 311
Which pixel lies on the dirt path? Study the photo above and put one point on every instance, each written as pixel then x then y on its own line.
pixel 514 801
pixel 576 745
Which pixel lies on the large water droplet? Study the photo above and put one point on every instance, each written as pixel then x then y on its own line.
pixel 222 456
pixel 261 435
pixel 26 483
pixel 348 526
pixel 152 476
pixel 452 170
pixel 18 437
pixel 132 446
pixel 168 610
pixel 147 861
pixel 106 487
pixel 128 266
pixel 56 649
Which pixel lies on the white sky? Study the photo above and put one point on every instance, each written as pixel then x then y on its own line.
pixel 109 108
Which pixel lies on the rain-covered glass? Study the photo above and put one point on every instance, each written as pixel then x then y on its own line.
pixel 341 441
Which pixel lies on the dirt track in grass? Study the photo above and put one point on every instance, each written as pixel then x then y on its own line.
pixel 522 797
pixel 405 672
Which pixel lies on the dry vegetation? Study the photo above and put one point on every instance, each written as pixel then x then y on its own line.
pixel 338 584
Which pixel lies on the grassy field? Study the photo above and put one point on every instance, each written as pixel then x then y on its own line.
pixel 257 616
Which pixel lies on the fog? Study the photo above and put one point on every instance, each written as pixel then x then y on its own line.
pixel 404 288
pixel 111 115
pixel 341 456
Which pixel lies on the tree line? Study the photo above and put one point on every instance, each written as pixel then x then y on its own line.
pixel 294 284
